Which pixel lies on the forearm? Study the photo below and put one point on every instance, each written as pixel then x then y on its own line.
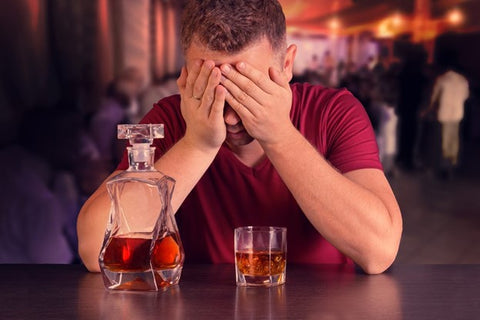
pixel 354 219
pixel 185 163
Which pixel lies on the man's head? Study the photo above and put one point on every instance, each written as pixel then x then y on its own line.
pixel 229 26
pixel 233 31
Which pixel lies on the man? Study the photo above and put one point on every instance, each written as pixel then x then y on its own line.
pixel 448 98
pixel 246 148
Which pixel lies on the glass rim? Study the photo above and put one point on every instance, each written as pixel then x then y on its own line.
pixel 261 229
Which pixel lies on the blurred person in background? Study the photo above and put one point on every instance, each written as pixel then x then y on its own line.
pixel 167 86
pixel 39 199
pixel 362 86
pixel 447 102
pixel 121 105
pixel 246 147
pixel 313 72
pixel 412 87
pixel 384 103
pixel 328 67
pixel 351 79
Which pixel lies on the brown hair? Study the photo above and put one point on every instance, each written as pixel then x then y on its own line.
pixel 231 25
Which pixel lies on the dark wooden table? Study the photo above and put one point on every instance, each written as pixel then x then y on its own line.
pixel 209 292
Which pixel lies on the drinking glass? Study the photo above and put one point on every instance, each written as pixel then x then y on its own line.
pixel 260 256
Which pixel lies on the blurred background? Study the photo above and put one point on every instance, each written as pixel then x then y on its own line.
pixel 72 70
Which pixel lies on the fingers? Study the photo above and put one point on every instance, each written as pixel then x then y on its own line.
pixel 243 112
pixel 219 103
pixel 208 93
pixel 246 82
pixel 248 89
pixel 202 79
pixel 197 79
pixel 199 85
pixel 237 96
pixel 182 80
pixel 193 72
pixel 279 78
pixel 251 80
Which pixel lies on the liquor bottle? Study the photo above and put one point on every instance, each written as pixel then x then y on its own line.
pixel 142 249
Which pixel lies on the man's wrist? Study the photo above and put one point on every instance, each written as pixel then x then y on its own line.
pixel 283 143
pixel 194 146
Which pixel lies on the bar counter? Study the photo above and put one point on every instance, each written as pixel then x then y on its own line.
pixel 209 292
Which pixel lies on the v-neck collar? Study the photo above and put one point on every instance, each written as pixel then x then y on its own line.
pixel 226 152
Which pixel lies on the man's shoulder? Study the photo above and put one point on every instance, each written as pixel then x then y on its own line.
pixel 170 102
pixel 316 97
pixel 452 75
pixel 165 107
pixel 317 91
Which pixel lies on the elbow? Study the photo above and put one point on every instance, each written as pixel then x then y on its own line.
pixel 90 260
pixel 383 249
pixel 378 265
pixel 382 256
pixel 92 267
pixel 90 231
pixel 88 248
pixel 88 251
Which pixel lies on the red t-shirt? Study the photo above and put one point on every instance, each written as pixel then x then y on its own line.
pixel 231 194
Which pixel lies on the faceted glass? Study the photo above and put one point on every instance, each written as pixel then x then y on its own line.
pixel 260 256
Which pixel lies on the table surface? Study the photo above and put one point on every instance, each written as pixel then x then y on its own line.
pixel 208 291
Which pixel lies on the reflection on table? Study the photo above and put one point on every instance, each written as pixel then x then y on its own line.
pixel 209 292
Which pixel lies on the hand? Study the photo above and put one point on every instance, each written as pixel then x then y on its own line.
pixel 263 102
pixel 202 104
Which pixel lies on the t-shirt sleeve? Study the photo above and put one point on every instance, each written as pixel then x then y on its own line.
pixel 351 142
pixel 166 111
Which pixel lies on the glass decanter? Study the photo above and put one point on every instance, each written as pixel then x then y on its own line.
pixel 142 249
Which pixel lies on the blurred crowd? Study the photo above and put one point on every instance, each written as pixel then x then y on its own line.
pixel 420 111
pixel 59 157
